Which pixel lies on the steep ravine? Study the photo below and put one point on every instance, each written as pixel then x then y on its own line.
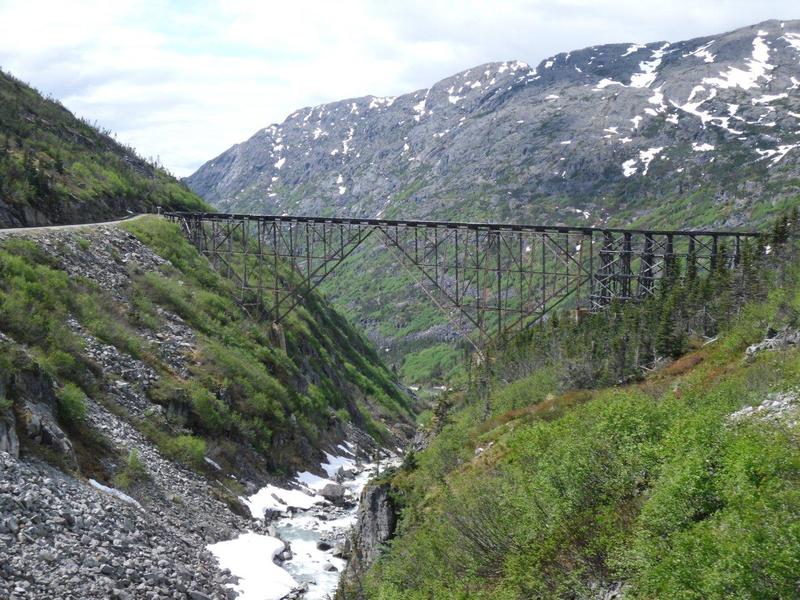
pixel 124 499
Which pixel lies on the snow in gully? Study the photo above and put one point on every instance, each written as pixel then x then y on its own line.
pixel 300 552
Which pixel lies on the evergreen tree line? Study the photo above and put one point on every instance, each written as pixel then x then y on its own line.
pixel 626 340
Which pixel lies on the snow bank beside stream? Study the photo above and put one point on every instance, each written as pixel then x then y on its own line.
pixel 249 557
pixel 307 519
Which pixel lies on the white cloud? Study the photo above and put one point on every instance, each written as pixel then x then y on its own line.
pixel 185 81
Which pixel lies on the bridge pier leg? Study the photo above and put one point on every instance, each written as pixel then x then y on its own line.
pixel 279 335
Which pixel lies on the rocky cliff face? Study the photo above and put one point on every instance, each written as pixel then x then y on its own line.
pixel 710 123
pixel 375 525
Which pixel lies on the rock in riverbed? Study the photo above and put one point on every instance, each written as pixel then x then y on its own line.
pixel 334 493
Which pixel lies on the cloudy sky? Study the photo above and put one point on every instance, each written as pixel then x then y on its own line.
pixel 185 80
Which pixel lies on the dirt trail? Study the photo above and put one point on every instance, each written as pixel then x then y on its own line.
pixel 19 230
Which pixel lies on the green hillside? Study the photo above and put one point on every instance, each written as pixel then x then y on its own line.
pixel 230 390
pixel 617 455
pixel 56 168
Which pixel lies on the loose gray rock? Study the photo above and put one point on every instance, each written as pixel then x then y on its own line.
pixel 333 492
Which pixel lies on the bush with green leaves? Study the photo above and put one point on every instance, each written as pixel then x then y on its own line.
pixel 188 449
pixel 71 405
pixel 132 472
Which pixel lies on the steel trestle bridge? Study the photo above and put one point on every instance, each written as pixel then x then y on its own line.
pixel 497 277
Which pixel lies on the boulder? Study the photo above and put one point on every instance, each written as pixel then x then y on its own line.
pixel 270 514
pixel 344 474
pixel 342 550
pixel 8 434
pixel 333 492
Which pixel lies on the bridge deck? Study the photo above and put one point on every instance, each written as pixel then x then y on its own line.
pixel 455 224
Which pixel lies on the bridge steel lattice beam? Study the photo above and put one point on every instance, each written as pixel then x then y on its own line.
pixel 490 278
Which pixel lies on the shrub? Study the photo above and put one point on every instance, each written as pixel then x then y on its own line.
pixel 71 405
pixel 212 414
pixel 343 415
pixel 188 449
pixel 58 363
pixel 132 472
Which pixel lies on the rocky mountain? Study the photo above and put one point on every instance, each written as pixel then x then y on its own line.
pixel 57 168
pixel 692 133
pixel 606 133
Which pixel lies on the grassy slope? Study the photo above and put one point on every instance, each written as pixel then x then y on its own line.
pixel 55 168
pixel 243 393
pixel 650 484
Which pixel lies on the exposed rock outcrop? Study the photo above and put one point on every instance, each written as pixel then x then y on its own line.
pixel 33 415
pixel 377 520
pixel 9 442
pixel 41 428
pixel 775 340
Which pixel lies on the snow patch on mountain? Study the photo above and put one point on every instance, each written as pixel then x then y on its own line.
pixel 647 156
pixel 758 68
pixel 702 52
pixel 634 48
pixel 648 73
pixel 604 83
pixel 775 155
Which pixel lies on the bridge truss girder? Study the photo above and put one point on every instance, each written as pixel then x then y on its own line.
pixel 494 278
